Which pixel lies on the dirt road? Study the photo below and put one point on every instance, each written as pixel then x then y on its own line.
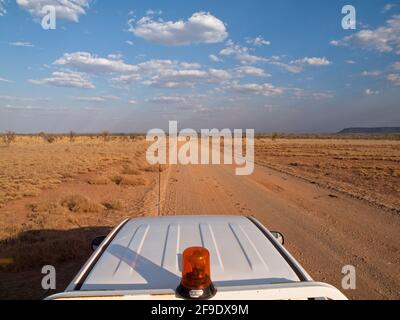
pixel 324 230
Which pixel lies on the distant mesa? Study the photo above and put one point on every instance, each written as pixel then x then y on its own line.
pixel 378 130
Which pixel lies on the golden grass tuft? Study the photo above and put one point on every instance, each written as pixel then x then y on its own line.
pixel 114 204
pixel 99 180
pixel 131 170
pixel 129 181
pixel 154 168
pixel 78 203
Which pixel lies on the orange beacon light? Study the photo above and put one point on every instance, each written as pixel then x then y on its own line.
pixel 196 276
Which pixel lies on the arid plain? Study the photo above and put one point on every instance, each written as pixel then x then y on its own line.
pixel 336 200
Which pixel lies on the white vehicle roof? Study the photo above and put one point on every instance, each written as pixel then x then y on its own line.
pixel 141 259
pixel 146 254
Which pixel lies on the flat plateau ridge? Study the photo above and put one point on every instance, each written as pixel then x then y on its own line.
pixel 376 130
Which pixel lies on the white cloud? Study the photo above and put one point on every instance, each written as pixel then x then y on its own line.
pixel 241 53
pixel 186 65
pixel 167 100
pixel 90 99
pixel 394 78
pixel 129 42
pixel 370 92
pixel 31 107
pixel 115 56
pixel 215 58
pixel 14 99
pixel 251 71
pixel 170 78
pixel 216 75
pixel 297 66
pixel 132 101
pixel 350 62
pixel 263 89
pixel 311 62
pixel 97 98
pixel 322 95
pixel 66 79
pixel 87 62
pixel 172 74
pixel 374 73
pixel 168 74
pixel 3 10
pixel 299 93
pixel 151 12
pixel 21 44
pixel 5 80
pixel 69 10
pixel 258 42
pixel 201 27
pixel 383 39
pixel 388 7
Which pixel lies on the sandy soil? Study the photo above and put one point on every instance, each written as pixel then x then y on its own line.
pixel 366 169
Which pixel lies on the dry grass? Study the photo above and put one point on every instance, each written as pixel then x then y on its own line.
pixel 56 197
pixel 31 164
pixel 113 204
pixel 131 170
pixel 99 180
pixel 154 168
pixel 368 169
pixel 78 203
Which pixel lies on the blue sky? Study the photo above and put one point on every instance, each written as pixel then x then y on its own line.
pixel 131 66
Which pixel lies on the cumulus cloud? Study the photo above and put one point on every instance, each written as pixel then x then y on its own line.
pixel 87 62
pixel 383 39
pixel 373 73
pixel 15 99
pixel 215 58
pixel 299 93
pixel 370 92
pixel 394 78
pixel 312 61
pixel 3 10
pixel 69 10
pixel 167 100
pixel 21 44
pixel 201 27
pixel 258 42
pixel 263 89
pixel 187 78
pixel 241 53
pixel 322 95
pixel 5 80
pixel 151 12
pixel 251 71
pixel 97 98
pixel 67 79
pixel 297 66
pixel 388 7
pixel 172 74
pixel 169 74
